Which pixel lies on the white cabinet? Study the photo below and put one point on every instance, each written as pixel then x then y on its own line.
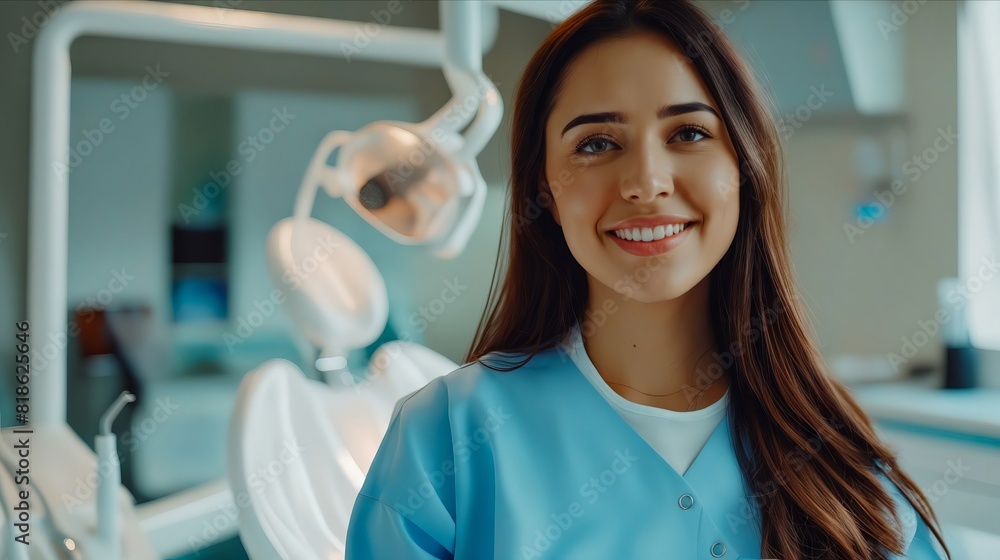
pixel 949 443
pixel 960 478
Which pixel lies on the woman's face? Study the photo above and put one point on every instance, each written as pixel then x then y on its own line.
pixel 666 156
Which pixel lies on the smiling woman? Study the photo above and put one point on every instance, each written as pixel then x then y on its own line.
pixel 659 382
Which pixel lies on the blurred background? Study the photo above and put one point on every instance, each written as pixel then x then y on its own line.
pixel 183 157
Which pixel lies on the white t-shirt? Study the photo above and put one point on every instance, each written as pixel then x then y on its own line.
pixel 677 436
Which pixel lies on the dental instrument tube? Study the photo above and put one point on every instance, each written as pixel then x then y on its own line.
pixel 109 477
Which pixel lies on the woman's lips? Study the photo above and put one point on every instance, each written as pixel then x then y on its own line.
pixel 649 248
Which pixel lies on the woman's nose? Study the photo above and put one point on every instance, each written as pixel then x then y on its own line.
pixel 649 175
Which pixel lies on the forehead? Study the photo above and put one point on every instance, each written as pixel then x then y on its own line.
pixel 639 72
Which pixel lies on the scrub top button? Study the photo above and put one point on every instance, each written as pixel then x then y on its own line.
pixel 685 501
pixel 718 550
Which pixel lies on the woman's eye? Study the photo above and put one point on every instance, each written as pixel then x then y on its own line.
pixel 687 135
pixel 690 130
pixel 593 142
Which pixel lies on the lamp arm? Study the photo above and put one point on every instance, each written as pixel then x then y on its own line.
pixel 318 173
pixel 474 96
pixel 486 122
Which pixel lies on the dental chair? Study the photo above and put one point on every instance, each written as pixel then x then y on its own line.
pixel 299 449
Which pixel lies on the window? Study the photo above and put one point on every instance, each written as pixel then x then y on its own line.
pixel 979 168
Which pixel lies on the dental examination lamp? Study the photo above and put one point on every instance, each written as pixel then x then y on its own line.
pixel 418 184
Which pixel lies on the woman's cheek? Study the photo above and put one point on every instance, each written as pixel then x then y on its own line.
pixel 727 188
pixel 721 186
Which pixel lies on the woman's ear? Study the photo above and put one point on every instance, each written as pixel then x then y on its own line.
pixel 552 202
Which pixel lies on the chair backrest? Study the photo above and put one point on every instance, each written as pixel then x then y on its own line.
pixel 299 449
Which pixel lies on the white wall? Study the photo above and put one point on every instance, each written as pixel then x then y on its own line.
pixel 867 295
pixel 119 194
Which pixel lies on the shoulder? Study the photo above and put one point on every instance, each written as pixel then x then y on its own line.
pixel 494 380
pixel 476 405
pixel 428 425
pixel 918 540
pixel 904 509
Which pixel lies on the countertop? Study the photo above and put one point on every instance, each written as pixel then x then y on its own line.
pixel 918 403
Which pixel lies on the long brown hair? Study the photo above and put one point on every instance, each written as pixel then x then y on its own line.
pixel 829 504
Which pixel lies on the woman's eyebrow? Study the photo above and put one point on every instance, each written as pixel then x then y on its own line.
pixel 618 117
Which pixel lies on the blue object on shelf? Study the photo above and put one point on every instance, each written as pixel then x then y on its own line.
pixel 874 211
pixel 200 299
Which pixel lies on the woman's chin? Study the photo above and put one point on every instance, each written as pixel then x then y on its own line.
pixel 654 291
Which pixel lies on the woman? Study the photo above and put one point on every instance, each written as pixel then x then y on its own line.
pixel 645 384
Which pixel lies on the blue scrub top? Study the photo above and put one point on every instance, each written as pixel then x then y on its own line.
pixel 535 463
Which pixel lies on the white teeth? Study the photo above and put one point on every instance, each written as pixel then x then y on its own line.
pixel 649 234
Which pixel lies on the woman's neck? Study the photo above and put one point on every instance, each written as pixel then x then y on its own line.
pixel 659 354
